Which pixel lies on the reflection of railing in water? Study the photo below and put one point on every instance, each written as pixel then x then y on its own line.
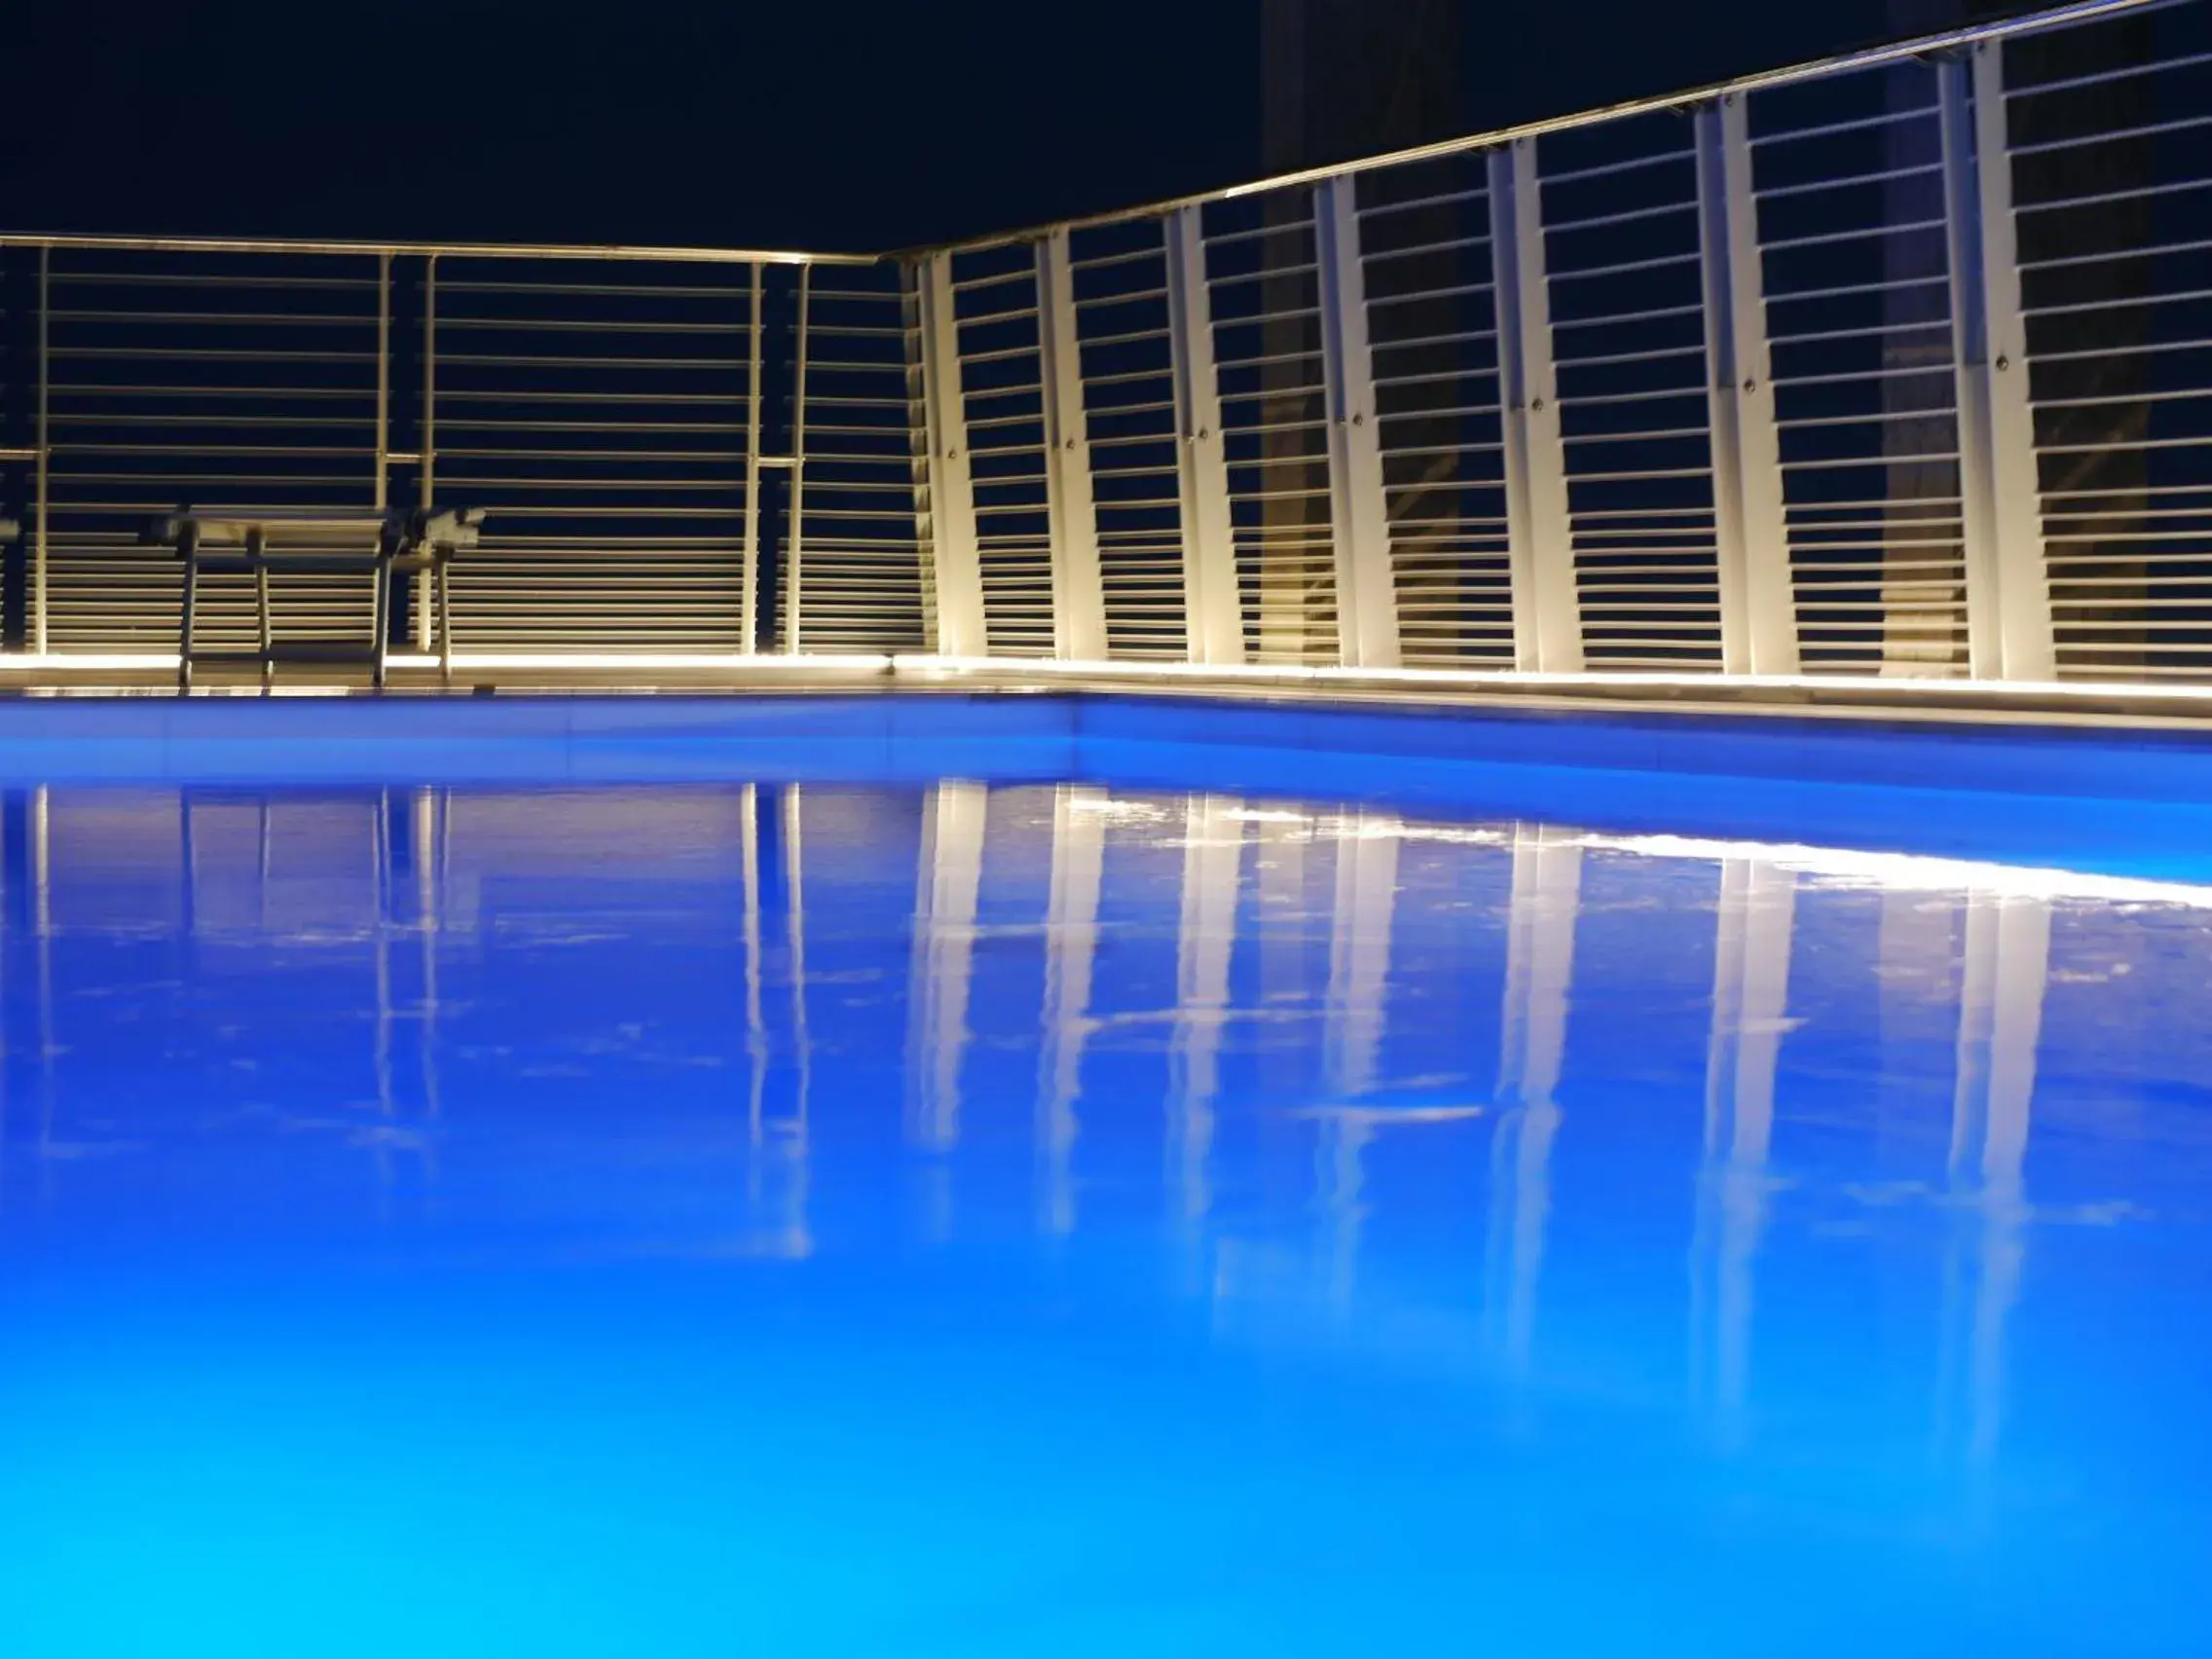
pixel 1071 946
pixel 1270 912
pixel 1751 999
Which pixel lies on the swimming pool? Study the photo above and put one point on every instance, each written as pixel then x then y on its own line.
pixel 934 1176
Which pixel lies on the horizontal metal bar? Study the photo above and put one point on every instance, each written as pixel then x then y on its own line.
pixel 1000 280
pixel 2103 76
pixel 2131 490
pixel 2129 515
pixel 1456 244
pixel 1427 342
pixel 2127 302
pixel 1626 217
pixel 1614 319
pixel 1258 232
pixel 595 290
pixel 2123 398
pixel 1445 199
pixel 2194 537
pixel 613 252
pixel 1856 124
pixel 1841 464
pixel 450 322
pixel 1654 435
pixel 64 279
pixel 1610 170
pixel 2127 445
pixel 2113 135
pixel 1914 509
pixel 1607 399
pixel 1624 268
pixel 1457 291
pixel 1874 417
pixel 2141 250
pixel 1849 290
pixel 1775 193
pixel 1877 331
pixel 2105 197
pixel 1828 238
pixel 1441 377
pixel 1657 354
pixel 2119 348
pixel 1857 375
pixel 1450 412
pixel 243 319
pixel 1105 260
pixel 1641 476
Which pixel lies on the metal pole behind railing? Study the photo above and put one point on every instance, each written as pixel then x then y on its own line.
pixel 45 453
pixel 426 469
pixel 955 563
pixel 384 377
pixel 748 578
pixel 1079 602
pixel 1758 632
pixel 2007 599
pixel 1213 610
pixel 1367 597
pixel 2023 590
pixel 794 553
pixel 1547 627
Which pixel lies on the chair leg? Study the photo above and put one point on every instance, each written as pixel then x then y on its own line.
pixel 445 623
pixel 184 623
pixel 379 607
pixel 268 626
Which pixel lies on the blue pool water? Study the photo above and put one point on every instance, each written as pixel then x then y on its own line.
pixel 755 1217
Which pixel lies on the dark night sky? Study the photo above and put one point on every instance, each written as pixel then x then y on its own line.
pixel 861 124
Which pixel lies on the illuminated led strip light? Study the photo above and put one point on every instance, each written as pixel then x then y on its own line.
pixel 1934 691
pixel 861 664
pixel 94 662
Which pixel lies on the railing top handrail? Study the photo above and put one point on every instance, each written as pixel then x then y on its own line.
pixel 434 250
pixel 1865 57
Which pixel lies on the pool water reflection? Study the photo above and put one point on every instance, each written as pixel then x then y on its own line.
pixel 983 1220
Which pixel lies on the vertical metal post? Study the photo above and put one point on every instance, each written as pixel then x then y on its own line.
pixel 795 551
pixel 1758 633
pixel 1213 611
pixel 749 574
pixel 1367 595
pixel 956 563
pixel 378 490
pixel 2023 592
pixel 2008 620
pixel 1547 623
pixel 1079 598
pixel 384 377
pixel 426 472
pixel 44 456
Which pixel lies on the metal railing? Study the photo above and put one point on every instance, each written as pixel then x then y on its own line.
pixel 1898 363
